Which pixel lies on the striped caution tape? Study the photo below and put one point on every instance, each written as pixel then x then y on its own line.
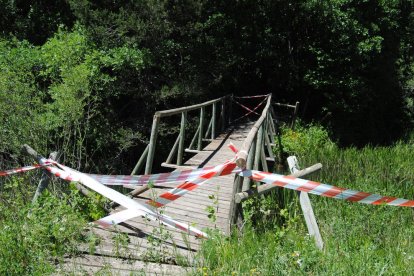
pixel 250 111
pixel 174 194
pixel 325 190
pixel 134 208
pixel 22 169
pixel 251 97
pixel 246 108
pixel 229 167
pixel 161 178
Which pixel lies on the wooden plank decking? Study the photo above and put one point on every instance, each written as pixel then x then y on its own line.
pixel 141 247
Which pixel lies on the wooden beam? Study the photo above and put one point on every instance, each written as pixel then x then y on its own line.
pixel 44 181
pixel 306 206
pixel 29 151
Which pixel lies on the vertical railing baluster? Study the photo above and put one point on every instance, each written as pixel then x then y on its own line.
pixel 223 115
pixel 259 144
pixel 200 134
pixel 140 162
pixel 152 144
pixel 182 138
pixel 213 126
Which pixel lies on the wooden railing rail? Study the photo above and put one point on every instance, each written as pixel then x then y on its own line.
pixel 178 149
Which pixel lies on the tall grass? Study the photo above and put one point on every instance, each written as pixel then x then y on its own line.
pixel 359 239
pixel 34 238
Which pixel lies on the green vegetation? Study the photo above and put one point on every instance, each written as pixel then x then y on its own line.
pixel 85 77
pixel 359 239
pixel 34 237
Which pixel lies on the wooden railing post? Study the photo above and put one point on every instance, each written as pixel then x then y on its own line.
pixel 295 114
pixel 44 181
pixel 306 206
pixel 200 134
pixel 152 143
pixel 230 117
pixel 140 162
pixel 249 165
pixel 213 126
pixel 258 149
pixel 223 115
pixel 182 138
pixel 236 212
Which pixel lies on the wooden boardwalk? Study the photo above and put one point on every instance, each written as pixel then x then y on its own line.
pixel 141 247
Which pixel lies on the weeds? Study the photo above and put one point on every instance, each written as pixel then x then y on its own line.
pixel 359 239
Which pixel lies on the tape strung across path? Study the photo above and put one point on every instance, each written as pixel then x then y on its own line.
pixel 326 190
pixel 190 180
pixel 250 111
pixel 23 169
pixel 134 208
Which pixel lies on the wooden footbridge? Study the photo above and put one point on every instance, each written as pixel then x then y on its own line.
pixel 140 246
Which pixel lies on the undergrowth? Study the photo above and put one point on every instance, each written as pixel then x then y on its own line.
pixel 358 239
pixel 34 238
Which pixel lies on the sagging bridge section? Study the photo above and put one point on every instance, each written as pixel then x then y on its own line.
pixel 142 246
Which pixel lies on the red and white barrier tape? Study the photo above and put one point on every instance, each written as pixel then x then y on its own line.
pixel 251 97
pixel 245 107
pixel 22 169
pixel 193 179
pixel 220 170
pixel 326 190
pixel 134 208
pixel 252 110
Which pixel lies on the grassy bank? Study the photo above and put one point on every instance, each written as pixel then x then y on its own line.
pixel 34 238
pixel 359 239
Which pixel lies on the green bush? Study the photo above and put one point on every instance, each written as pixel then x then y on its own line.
pixel 34 237
pixel 304 139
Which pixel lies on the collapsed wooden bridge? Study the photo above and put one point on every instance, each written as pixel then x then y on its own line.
pixel 147 247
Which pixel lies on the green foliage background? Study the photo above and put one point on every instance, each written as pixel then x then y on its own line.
pixel 85 77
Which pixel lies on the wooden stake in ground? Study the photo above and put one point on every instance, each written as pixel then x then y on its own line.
pixel 306 206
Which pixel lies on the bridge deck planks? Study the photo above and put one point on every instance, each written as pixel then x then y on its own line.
pixel 127 248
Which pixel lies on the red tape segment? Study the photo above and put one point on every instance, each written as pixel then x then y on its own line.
pixel 22 169
pixel 251 97
pixel 251 110
pixel 134 208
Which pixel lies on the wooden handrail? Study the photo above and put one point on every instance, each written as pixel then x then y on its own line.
pixel 169 112
pixel 244 150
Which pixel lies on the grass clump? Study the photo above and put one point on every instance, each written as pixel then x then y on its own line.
pixel 359 239
pixel 35 237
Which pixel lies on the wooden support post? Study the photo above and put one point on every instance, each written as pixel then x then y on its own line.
pixel 208 129
pixel 223 114
pixel 44 181
pixel 263 160
pixel 269 146
pixel 259 144
pixel 306 206
pixel 236 212
pixel 152 144
pixel 173 150
pixel 214 119
pixel 194 138
pixel 295 114
pixel 200 134
pixel 247 182
pixel 182 139
pixel 140 162
pixel 230 116
pixel 29 151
